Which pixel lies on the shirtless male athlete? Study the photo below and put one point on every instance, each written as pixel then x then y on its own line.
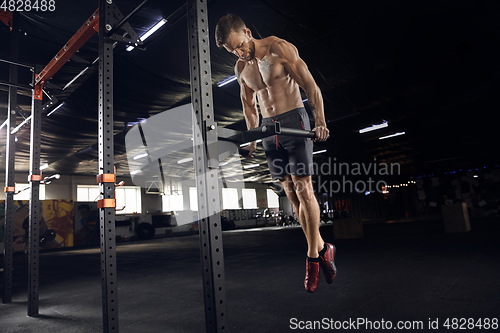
pixel 270 71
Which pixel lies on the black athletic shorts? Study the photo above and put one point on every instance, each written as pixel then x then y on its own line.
pixel 289 155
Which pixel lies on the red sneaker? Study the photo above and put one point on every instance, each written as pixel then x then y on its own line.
pixel 311 281
pixel 327 262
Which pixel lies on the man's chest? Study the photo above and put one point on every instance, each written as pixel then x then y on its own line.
pixel 262 74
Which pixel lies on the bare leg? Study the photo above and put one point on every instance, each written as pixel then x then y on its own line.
pixel 287 184
pixel 300 192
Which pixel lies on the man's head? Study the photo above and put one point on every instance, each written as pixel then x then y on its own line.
pixel 232 34
pixel 84 210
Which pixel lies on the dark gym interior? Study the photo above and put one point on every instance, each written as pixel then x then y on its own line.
pixel 415 217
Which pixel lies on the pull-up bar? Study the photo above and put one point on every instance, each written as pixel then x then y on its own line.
pixel 261 132
pixel 17 63
pixel 19 86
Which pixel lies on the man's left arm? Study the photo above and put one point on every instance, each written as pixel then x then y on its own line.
pixel 298 70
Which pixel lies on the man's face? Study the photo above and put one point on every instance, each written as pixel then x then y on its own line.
pixel 84 212
pixel 241 45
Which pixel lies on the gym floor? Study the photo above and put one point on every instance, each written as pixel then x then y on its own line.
pixel 411 272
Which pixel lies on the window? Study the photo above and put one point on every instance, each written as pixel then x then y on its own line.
pixel 172 202
pixel 273 200
pixel 128 196
pixel 87 192
pixel 173 199
pixel 230 198
pixel 193 199
pixel 249 198
pixel 25 194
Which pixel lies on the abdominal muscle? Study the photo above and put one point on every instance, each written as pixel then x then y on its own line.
pixel 279 98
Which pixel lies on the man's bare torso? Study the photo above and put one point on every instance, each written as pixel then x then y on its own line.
pixel 276 91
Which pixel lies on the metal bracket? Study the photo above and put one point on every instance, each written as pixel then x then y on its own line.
pixel 106 178
pixel 133 38
pixel 106 203
pixel 50 103
pixel 20 111
pixel 35 178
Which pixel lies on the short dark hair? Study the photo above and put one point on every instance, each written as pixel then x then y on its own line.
pixel 84 206
pixel 226 24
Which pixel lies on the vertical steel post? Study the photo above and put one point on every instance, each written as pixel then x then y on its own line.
pixel 35 205
pixel 106 166
pixel 10 166
pixel 207 178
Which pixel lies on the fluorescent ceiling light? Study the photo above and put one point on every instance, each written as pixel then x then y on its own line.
pixel 248 143
pixel 76 78
pixel 319 152
pixel 136 157
pixel 57 108
pixel 44 166
pixel 133 123
pixel 135 172
pixel 226 81
pixel 374 127
pixel 86 150
pixel 250 166
pixel 392 135
pixel 185 160
pixel 150 32
pixel 153 29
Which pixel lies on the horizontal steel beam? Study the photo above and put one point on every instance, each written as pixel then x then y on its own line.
pixel 78 40
pixel 17 63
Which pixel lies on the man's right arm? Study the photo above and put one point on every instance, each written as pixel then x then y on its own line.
pixel 248 101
